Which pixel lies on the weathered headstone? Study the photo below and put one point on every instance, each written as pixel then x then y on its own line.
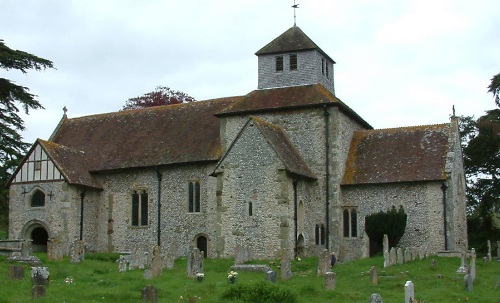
pixel 409 291
pixel 143 260
pixel 399 255
pixel 433 263
pixel 157 262
pixel 55 250
pixel 374 275
pixel 27 248
pixel 122 263
pixel 149 294
pixel 489 250
pixel 77 251
pixel 469 284
pixel 148 274
pixel 37 291
pixel 472 271
pixel 272 276
pixel 242 254
pixel 407 255
pixel 286 266
pixel 330 280
pixel 463 264
pixel 135 259
pixel 385 243
pixel 392 256
pixel 170 260
pixel 386 258
pixel 324 262
pixel 16 272
pixel 194 262
pixel 376 298
pixel 40 275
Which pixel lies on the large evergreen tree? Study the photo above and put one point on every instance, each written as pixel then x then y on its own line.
pixel 14 98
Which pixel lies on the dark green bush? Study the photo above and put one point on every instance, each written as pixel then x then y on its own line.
pixel 391 223
pixel 262 292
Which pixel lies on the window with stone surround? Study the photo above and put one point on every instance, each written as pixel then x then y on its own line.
pixel 38 198
pixel 293 62
pixel 194 197
pixel 350 222
pixel 279 63
pixel 140 205
pixel 319 234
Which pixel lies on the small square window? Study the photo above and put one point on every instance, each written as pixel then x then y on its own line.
pixel 38 165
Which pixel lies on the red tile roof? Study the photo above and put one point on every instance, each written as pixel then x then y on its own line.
pixel 397 155
pixel 160 135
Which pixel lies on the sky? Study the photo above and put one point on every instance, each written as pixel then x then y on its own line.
pixel 398 63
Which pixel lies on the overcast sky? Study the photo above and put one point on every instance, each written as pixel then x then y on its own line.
pixel 399 63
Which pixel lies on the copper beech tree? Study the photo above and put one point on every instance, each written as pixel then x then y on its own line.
pixel 162 95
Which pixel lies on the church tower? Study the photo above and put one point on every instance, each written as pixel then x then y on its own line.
pixel 294 59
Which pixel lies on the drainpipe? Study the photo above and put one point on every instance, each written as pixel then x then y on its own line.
pixel 159 176
pixel 82 197
pixel 295 216
pixel 327 174
pixel 444 187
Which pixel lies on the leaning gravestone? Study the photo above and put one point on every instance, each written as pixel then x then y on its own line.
pixel 37 291
pixel 157 262
pixel 272 276
pixel 324 262
pixel 149 294
pixel 40 275
pixel 409 291
pixel 330 280
pixel 194 262
pixel 16 272
pixel 77 251
pixel 54 250
pixel 374 275
pixel 376 298
pixel 472 271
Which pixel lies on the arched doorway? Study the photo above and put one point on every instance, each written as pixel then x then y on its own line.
pixel 301 248
pixel 202 244
pixel 39 237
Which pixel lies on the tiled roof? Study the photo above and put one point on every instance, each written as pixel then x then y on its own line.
pixel 160 135
pixel 397 155
pixel 293 40
pixel 71 163
pixel 284 148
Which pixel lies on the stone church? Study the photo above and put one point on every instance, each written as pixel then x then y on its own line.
pixel 288 166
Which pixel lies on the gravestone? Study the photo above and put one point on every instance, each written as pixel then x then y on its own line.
pixel 135 259
pixel 148 274
pixel 463 264
pixel 472 271
pixel 194 262
pixel 272 276
pixel 149 294
pixel 77 251
pixel 386 258
pixel 122 263
pixel 468 283
pixel 324 262
pixel 407 256
pixel 157 262
pixel 489 250
pixel 409 291
pixel 40 275
pixel 330 280
pixel 55 250
pixel 38 291
pixel 143 260
pixel 392 256
pixel 286 266
pixel 16 272
pixel 433 263
pixel 399 256
pixel 170 260
pixel 242 254
pixel 27 248
pixel 376 298
pixel 385 243
pixel 374 275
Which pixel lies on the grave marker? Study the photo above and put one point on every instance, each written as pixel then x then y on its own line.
pixel 40 275
pixel 286 267
pixel 472 271
pixel 386 259
pixel 55 250
pixel 324 262
pixel 157 262
pixel 469 284
pixel 330 280
pixel 409 292
pixel 272 276
pixel 242 254
pixel 463 264
pixel 376 298
pixel 122 263
pixel 399 256
pixel 16 272
pixel 38 291
pixel 489 250
pixel 194 262
pixel 149 294
pixel 392 256
pixel 374 275
pixel 77 251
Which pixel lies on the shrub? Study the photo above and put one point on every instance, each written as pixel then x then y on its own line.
pixel 391 223
pixel 262 292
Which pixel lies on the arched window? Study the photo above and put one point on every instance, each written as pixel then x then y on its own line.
pixel 194 204
pixel 350 222
pixel 38 199
pixel 140 205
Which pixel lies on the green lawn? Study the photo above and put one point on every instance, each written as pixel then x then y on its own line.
pixel 97 280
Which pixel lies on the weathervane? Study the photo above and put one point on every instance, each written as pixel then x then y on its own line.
pixel 295 6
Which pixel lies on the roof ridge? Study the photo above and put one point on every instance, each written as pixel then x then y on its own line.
pixel 407 127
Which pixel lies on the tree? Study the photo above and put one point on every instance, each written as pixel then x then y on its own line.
pixel 13 97
pixel 391 223
pixel 481 149
pixel 162 95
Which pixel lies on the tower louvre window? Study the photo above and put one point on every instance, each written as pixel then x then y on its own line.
pixel 323 66
pixel 293 62
pixel 279 63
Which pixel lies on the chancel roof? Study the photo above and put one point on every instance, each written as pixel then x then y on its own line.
pixel 397 155
pixel 293 40
pixel 154 136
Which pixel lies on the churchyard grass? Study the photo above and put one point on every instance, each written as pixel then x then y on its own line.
pixel 97 279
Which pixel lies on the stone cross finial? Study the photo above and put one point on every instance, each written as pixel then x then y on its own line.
pixel 65 110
